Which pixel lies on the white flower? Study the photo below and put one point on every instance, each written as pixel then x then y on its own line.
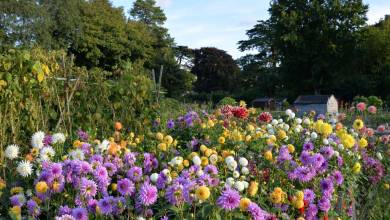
pixel 341 147
pixel 274 122
pixel 239 185
pixel 271 131
pixel 236 174
pixel 333 120
pixel 313 135
pixel 280 120
pixel 24 168
pixel 229 159
pixel 292 115
pixel 297 129
pixel 154 177
pixel 58 138
pixel 29 192
pixel 77 154
pixel 103 146
pixel 245 170
pixel 213 159
pixel 176 161
pixel 12 151
pixel 286 127
pixel 336 153
pixel 325 141
pixel 37 139
pixel 379 155
pixel 288 112
pixel 199 173
pixel 269 126
pixel 243 161
pixel 196 160
pixel 232 166
pixel 169 179
pixel 306 121
pixel 140 218
pixel 298 120
pixel 246 184
pixel 166 172
pixel 230 181
pixel 47 153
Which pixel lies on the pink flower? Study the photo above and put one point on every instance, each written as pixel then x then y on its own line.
pixel 361 106
pixel 381 128
pixel 370 132
pixel 372 109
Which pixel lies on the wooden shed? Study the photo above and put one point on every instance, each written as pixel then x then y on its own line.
pixel 321 104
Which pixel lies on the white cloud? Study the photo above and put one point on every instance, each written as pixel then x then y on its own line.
pixel 163 3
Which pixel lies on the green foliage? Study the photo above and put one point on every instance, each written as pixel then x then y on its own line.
pixel 147 12
pixel 44 90
pixel 227 101
pixel 371 100
pixel 215 70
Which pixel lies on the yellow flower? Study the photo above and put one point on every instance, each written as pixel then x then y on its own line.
pixel 114 186
pixel 204 161
pixel 357 167
pixel 162 146
pixel 326 129
pixel 386 186
pixel 253 188
pixel 299 195
pixel 347 140
pixel 282 134
pixel 186 163
pixel 301 218
pixel 248 138
pixel 291 148
pixel 242 103
pixel 41 187
pixel 221 140
pixel 268 155
pixel 3 184
pixel 358 124
pixel 168 139
pixel 203 148
pixel 317 125
pixel 16 210
pixel 56 186
pixel 77 143
pixel 203 193
pixel 298 203
pixel 363 142
pixel 244 203
pixel 191 155
pixel 210 123
pixel 16 190
pixel 159 136
pixel 208 152
pixel 250 127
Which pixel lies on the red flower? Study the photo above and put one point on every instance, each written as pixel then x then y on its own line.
pixel 265 117
pixel 240 112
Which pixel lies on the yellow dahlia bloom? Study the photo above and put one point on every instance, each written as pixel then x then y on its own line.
pixel 41 187
pixel 202 193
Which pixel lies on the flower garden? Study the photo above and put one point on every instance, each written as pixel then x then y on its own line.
pixel 232 163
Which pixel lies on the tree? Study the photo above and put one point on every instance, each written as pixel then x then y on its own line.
pixel 147 12
pixel 308 41
pixel 215 70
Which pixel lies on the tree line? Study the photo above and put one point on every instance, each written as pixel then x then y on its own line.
pixel 304 47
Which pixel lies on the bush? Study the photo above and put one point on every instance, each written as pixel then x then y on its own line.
pixel 227 101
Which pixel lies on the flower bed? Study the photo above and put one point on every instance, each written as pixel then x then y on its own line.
pixel 233 164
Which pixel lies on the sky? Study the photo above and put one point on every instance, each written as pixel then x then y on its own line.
pixel 222 23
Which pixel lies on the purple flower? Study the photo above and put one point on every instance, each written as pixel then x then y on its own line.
pixel 308 146
pixel 229 199
pixel 65 217
pixel 340 161
pixel 174 194
pixel 130 158
pixel 148 194
pixel 317 160
pixel 170 124
pixel 326 187
pixel 105 205
pixel 125 187
pixel 88 187
pixel 211 169
pixel 18 200
pixel 56 169
pixel 309 195
pixel 101 174
pixel 33 208
pixel 91 205
pixel 284 154
pixel 256 212
pixel 311 211
pixel 80 213
pixel 111 168
pixel 305 158
pixel 302 173
pixel 324 204
pixel 47 140
pixel 338 177
pixel 164 218
pixel 64 210
pixel 327 152
pixel 135 174
pixel 82 135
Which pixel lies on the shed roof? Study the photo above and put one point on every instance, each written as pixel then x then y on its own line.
pixel 312 99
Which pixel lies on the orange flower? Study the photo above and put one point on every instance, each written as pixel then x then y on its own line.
pixel 29 157
pixel 113 148
pixel 118 126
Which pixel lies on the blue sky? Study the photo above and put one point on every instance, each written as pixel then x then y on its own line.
pixel 222 23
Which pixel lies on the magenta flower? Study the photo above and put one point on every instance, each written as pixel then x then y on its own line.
pixel 229 199
pixel 125 187
pixel 148 194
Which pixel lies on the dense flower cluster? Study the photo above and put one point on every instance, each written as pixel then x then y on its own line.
pixel 235 161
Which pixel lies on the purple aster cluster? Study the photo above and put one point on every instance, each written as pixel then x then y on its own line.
pixel 229 199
